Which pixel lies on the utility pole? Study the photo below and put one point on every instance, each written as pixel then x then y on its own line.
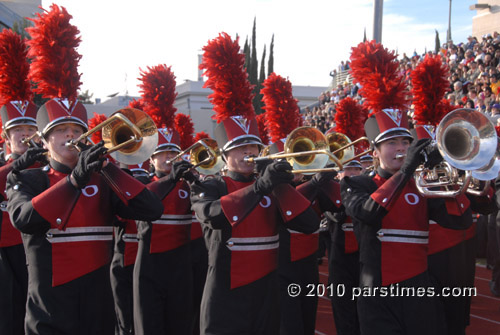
pixel 378 11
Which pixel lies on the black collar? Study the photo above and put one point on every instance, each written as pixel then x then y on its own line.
pixel 14 156
pixel 159 174
pixel 239 177
pixel 60 167
pixel 383 173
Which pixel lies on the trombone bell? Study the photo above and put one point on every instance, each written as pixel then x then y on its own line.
pixel 304 139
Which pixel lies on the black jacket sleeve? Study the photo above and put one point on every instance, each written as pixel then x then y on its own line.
pixel 205 200
pixel 21 188
pixel 439 213
pixel 355 193
pixel 306 222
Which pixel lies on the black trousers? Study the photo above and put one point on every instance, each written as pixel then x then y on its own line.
pixel 343 276
pixel 80 307
pixel 199 263
pixel 298 314
pixel 397 315
pixel 447 269
pixel 122 288
pixel 13 289
pixel 163 291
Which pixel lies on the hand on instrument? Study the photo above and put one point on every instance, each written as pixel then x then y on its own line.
pixel 275 174
pixel 322 177
pixel 90 160
pixel 415 156
pixel 433 158
pixel 181 170
pixel 30 157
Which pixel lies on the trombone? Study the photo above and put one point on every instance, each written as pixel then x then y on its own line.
pixel 31 140
pixel 343 148
pixel 204 155
pixel 306 150
pixel 129 134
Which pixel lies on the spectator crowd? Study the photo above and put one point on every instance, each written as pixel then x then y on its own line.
pixel 474 80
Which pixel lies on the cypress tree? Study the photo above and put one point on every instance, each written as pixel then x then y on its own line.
pixel 246 51
pixel 270 62
pixel 262 77
pixel 253 59
pixel 437 46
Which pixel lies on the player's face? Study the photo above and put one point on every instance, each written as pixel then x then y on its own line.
pixel 16 134
pixel 388 150
pixel 235 159
pixel 56 143
pixel 160 161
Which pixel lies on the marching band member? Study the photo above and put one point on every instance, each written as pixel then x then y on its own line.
pixel 65 209
pixel 366 161
pixel 162 273
pixel 124 255
pixel 297 251
pixel 390 216
pixel 239 213
pixel 19 122
pixel 343 263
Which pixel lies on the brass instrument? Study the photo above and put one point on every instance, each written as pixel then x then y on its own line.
pixel 306 149
pixel 31 140
pixel 129 134
pixel 467 141
pixel 204 155
pixel 343 148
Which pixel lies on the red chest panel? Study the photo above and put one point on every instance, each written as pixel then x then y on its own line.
pixel 255 240
pixel 9 235
pixel 441 238
pixel 350 242
pixel 304 245
pixel 404 236
pixel 85 244
pixel 173 229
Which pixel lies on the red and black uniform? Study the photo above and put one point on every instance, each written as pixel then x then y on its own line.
pixel 391 222
pixel 452 264
pixel 343 272
pixel 13 271
pixel 199 263
pixel 122 269
pixel 67 235
pixel 241 230
pixel 298 262
pixel 162 274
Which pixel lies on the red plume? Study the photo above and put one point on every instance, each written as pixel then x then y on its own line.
pixel 430 84
pixel 93 122
pixel 53 49
pixel 282 110
pixel 350 118
pixel 376 69
pixel 158 94
pixel 137 104
pixel 261 122
pixel 200 135
pixel 227 78
pixel 185 127
pixel 14 68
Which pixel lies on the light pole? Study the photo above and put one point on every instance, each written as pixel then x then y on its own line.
pixel 378 9
pixel 448 35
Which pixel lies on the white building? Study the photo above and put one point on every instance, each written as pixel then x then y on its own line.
pixel 192 99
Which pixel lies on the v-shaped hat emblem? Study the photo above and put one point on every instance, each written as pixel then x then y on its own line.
pixel 242 123
pixel 166 134
pixel 20 106
pixel 431 130
pixel 395 115
pixel 67 105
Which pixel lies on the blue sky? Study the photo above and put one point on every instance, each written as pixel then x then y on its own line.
pixel 311 37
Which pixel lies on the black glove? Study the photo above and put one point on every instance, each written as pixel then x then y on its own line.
pixel 322 177
pixel 181 170
pixel 415 156
pixel 275 174
pixel 89 161
pixel 433 158
pixel 30 157
pixel 261 165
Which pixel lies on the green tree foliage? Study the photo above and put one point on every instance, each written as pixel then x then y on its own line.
pixel 270 62
pixel 437 46
pixel 84 97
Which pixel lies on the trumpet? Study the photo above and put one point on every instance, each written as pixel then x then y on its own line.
pixel 31 140
pixel 204 155
pixel 129 134
pixel 306 150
